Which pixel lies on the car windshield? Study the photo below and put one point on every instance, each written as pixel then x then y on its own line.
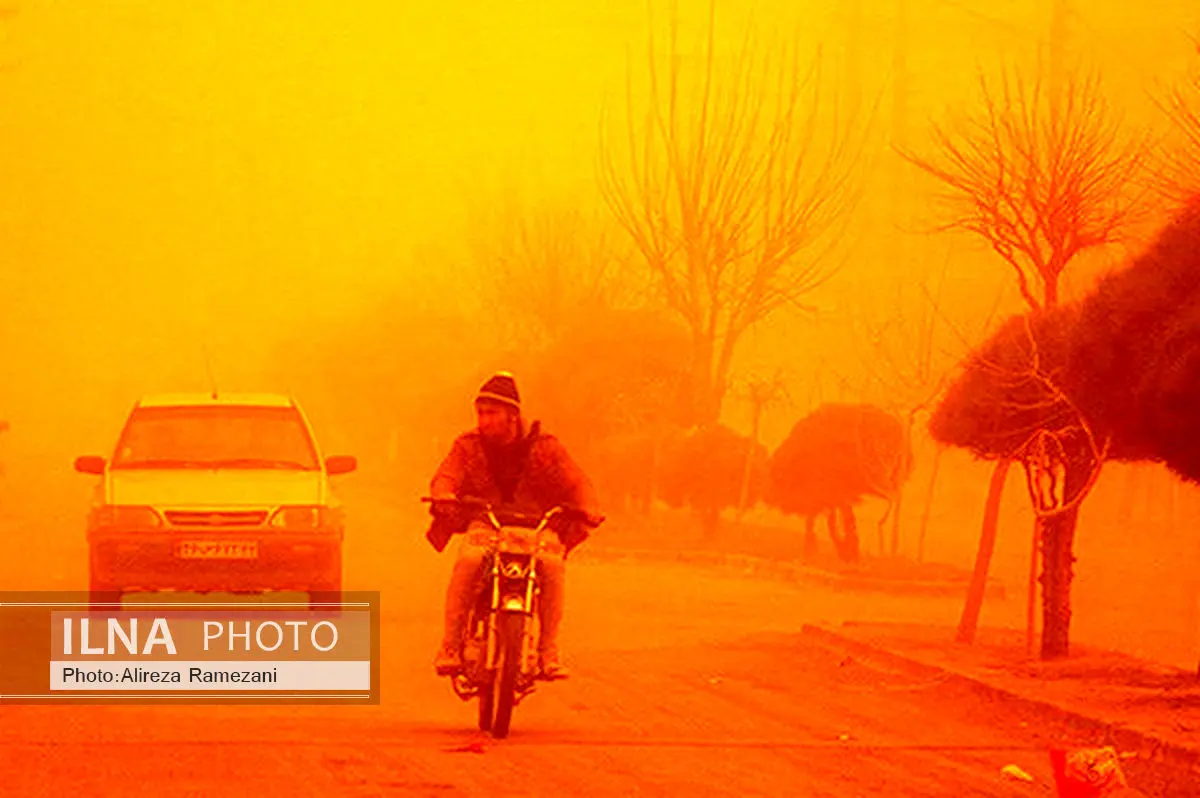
pixel 216 437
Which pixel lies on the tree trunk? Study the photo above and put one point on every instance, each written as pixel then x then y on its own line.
pixel 839 541
pixel 882 542
pixel 969 622
pixel 1191 549
pixel 810 538
pixel 744 496
pixel 901 473
pixel 706 395
pixel 1031 589
pixel 849 533
pixel 937 459
pixel 896 521
pixel 653 494
pixel 1058 543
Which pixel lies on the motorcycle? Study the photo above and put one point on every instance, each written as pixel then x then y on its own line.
pixel 500 638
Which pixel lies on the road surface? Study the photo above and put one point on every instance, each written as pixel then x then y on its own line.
pixel 686 682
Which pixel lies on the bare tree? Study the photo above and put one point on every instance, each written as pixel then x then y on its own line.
pixel 729 196
pixel 831 459
pixel 760 393
pixel 1177 161
pixel 1042 178
pixel 907 352
pixel 539 267
pixel 903 367
pixel 1009 404
pixel 1040 185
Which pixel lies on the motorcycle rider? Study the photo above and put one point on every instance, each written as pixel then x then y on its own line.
pixel 514 469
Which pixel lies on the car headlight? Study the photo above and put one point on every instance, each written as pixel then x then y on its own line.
pixel 127 516
pixel 301 518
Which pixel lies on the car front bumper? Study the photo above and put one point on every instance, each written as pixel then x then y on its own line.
pixel 232 560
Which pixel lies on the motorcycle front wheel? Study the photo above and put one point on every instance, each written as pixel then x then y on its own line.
pixel 486 705
pixel 509 637
pixel 487 691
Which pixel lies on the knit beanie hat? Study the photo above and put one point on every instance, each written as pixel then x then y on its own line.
pixel 502 388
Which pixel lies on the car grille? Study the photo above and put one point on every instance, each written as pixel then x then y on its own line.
pixel 219 518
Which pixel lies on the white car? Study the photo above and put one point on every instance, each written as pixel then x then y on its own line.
pixel 220 493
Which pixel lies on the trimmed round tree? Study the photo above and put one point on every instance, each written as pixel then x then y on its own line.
pixel 706 469
pixel 831 460
pixel 1135 361
pixel 1009 404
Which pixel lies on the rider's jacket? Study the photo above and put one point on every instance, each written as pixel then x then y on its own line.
pixel 530 475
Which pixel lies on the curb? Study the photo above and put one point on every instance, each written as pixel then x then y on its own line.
pixel 1127 738
pixel 795 572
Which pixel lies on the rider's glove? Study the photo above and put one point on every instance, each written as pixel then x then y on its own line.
pixel 446 512
pixel 443 505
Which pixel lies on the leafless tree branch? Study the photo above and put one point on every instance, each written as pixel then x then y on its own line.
pixel 539 267
pixel 728 193
pixel 1040 183
pixel 1177 158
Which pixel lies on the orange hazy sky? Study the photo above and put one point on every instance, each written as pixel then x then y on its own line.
pixel 217 174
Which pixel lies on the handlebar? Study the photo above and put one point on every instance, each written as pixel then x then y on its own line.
pixel 513 518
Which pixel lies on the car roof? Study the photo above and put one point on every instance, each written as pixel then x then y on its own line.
pixel 211 400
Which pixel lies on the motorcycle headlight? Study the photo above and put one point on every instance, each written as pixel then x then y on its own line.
pixel 300 518
pixel 127 516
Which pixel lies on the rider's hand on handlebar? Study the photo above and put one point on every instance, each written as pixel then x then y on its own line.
pixel 561 522
pixel 444 506
pixel 573 523
pixel 574 515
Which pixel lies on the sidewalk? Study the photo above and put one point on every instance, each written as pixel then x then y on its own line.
pixel 862 579
pixel 1136 706
pixel 765 550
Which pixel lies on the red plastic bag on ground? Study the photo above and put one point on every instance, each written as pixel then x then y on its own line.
pixel 1089 773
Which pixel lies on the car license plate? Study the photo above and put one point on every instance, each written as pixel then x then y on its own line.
pixel 217 550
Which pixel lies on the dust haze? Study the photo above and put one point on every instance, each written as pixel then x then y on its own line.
pixel 361 204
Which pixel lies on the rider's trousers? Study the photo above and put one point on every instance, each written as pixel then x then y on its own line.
pixel 467 576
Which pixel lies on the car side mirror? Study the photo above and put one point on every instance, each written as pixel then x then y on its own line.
pixel 90 464
pixel 340 464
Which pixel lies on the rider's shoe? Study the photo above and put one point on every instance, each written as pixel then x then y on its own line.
pixel 552 667
pixel 447 662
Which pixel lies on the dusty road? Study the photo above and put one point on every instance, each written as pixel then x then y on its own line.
pixel 685 683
